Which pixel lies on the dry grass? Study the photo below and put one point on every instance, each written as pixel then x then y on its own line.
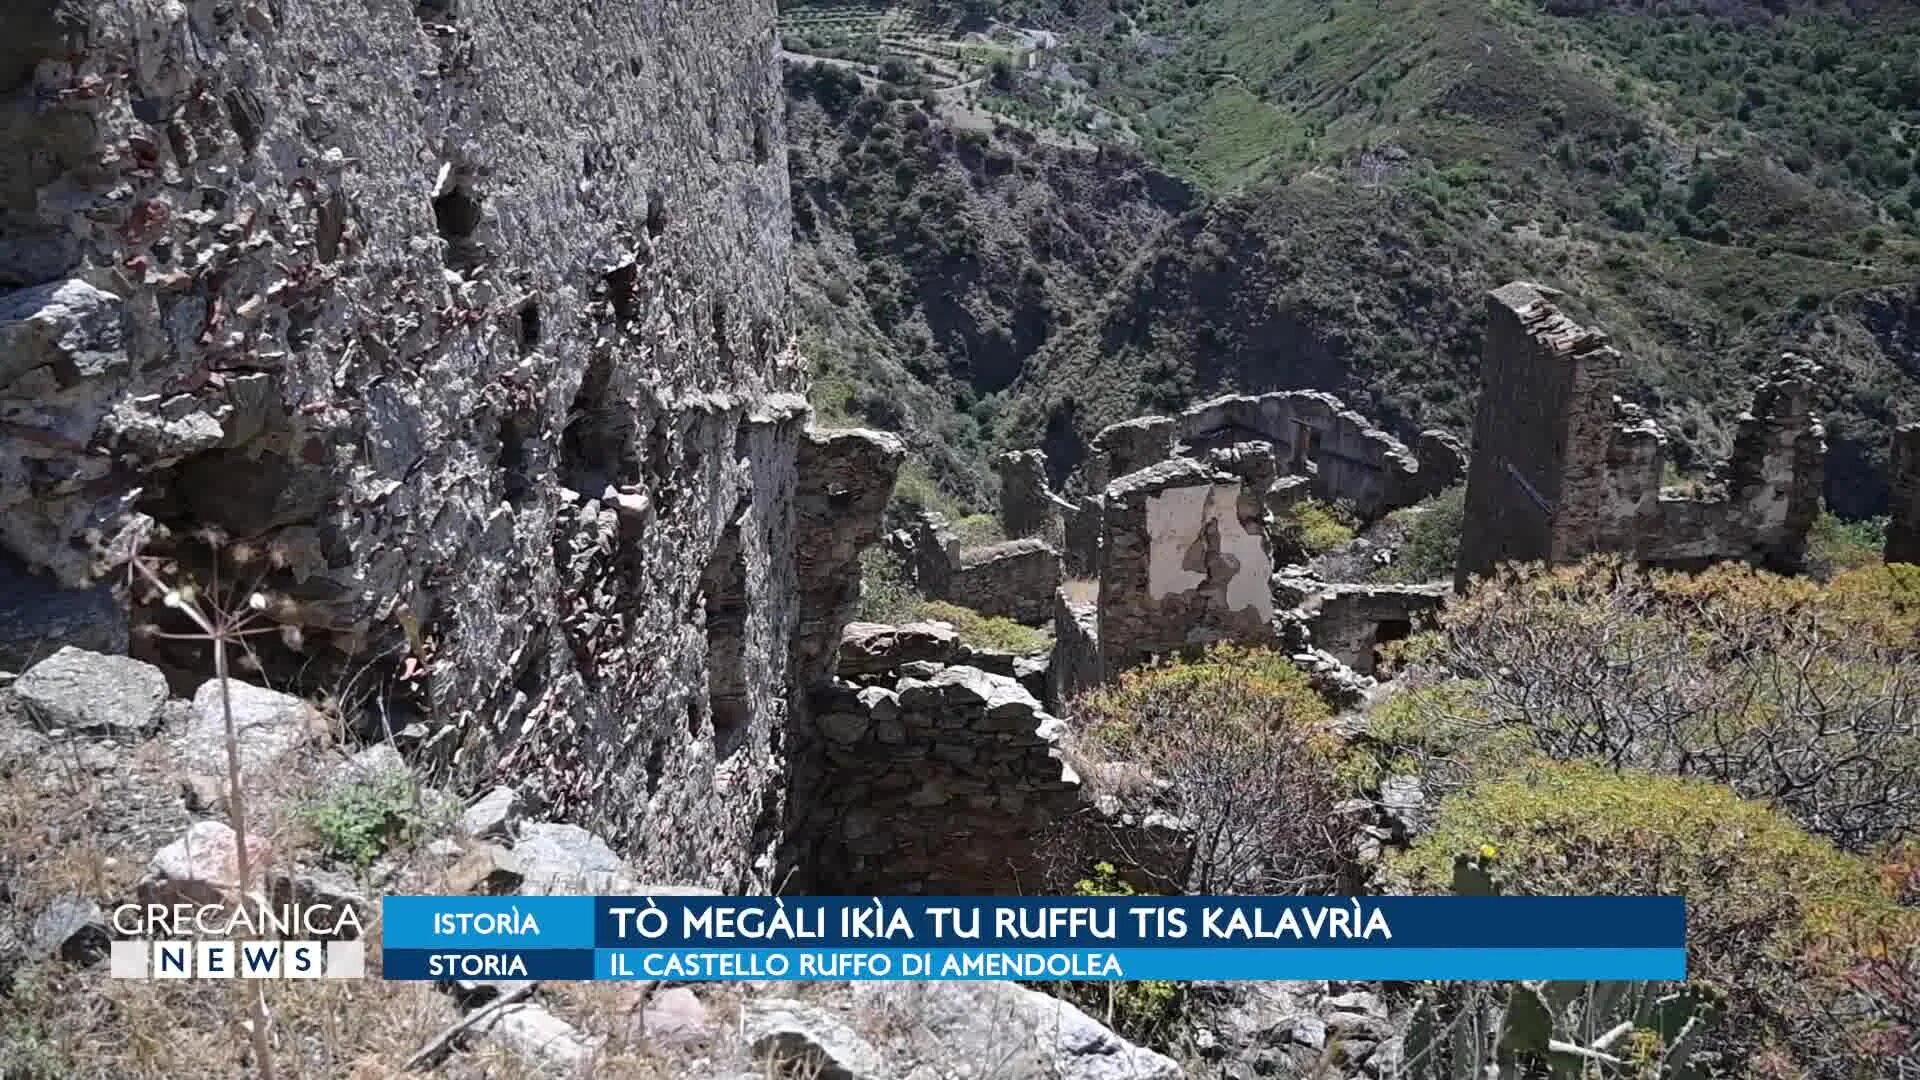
pixel 81 818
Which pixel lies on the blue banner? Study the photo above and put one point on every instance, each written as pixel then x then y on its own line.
pixel 718 939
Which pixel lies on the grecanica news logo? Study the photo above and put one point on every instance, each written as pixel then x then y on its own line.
pixel 243 941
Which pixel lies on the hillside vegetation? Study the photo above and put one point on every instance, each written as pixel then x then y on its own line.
pixel 1713 183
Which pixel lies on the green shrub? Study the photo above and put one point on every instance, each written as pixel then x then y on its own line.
pixel 1835 545
pixel 978 530
pixel 1145 1010
pixel 1762 894
pixel 990 632
pixel 1783 688
pixel 1320 526
pixel 886 594
pixel 1432 543
pixel 1238 741
pixel 360 820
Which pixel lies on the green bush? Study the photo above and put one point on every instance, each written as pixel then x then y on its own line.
pixel 1320 527
pixel 1145 1010
pixel 1786 689
pixel 359 821
pixel 1835 545
pixel 1238 743
pixel 1432 542
pixel 886 594
pixel 990 632
pixel 1762 894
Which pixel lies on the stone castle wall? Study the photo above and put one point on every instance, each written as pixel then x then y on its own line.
pixel 1184 561
pixel 474 315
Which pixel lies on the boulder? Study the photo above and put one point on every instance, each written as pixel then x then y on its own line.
pixel 676 1015
pixel 487 870
pixel 267 725
pixel 202 867
pixel 1403 803
pixel 559 859
pixel 93 693
pixel 1008 1032
pixel 796 1039
pixel 533 1032
pixel 375 762
pixel 999 695
pixel 494 815
pixel 71 928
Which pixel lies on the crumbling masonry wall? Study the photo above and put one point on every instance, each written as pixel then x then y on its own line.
pixel 472 313
pixel 1314 434
pixel 934 776
pixel 1184 562
pixel 1562 469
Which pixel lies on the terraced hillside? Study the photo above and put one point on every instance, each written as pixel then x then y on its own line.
pixel 1716 182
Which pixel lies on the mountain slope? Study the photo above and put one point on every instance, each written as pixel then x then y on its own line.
pixel 1714 184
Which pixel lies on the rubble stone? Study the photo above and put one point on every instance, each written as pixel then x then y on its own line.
pixel 93 694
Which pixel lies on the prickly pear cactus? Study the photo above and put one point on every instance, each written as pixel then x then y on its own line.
pixel 1553 1030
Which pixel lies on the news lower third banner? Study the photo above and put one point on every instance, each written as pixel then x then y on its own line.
pixel 865 938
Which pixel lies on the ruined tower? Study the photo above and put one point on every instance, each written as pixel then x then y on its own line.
pixel 1541 436
pixel 1562 468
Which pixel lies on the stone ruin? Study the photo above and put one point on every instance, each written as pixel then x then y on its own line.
pixel 1013 579
pixel 1562 468
pixel 1173 542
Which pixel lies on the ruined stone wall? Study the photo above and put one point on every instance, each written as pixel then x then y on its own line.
pixel 1540 435
pixel 934 777
pixel 473 315
pixel 1076 648
pixel 1562 469
pixel 1184 562
pixel 1351 623
pixel 1315 434
pixel 1028 505
pixel 1127 447
pixel 1015 580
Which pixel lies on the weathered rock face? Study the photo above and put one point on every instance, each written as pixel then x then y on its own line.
pixel 1184 561
pixel 1562 469
pixel 472 313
